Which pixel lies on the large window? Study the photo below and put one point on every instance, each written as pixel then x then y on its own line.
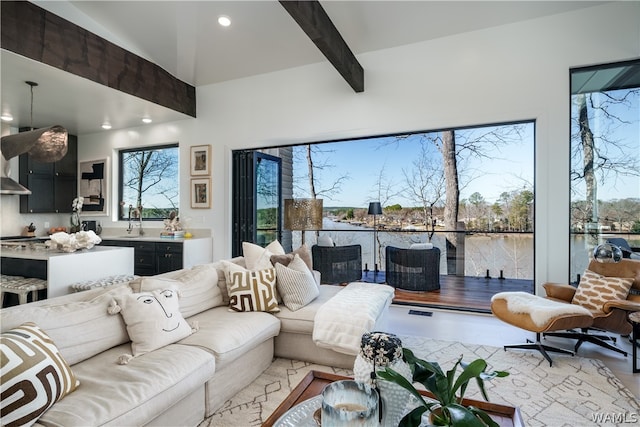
pixel 605 158
pixel 149 182
pixel 468 191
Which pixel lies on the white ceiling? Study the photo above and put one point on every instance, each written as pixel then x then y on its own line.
pixel 184 38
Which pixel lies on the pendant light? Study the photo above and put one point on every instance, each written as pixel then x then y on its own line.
pixel 44 145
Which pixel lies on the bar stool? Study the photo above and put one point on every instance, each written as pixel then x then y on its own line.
pixel 21 286
pixel 100 283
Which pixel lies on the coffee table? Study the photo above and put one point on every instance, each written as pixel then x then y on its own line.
pixel 313 383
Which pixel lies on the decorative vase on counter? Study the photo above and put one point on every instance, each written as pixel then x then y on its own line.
pixel 379 350
pixel 75 222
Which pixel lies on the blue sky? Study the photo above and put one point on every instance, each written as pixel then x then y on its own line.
pixel 508 169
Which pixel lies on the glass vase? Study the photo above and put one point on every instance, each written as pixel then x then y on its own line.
pixel 75 222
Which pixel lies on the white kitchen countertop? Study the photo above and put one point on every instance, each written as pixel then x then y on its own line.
pixel 39 252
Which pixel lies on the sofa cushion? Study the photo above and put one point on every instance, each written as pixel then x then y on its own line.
pixel 304 253
pixel 197 288
pixel 222 268
pixel 296 284
pixel 80 329
pixel 34 375
pixel 228 335
pixel 301 321
pixel 153 319
pixel 258 258
pixel 595 290
pixel 253 290
pixel 134 394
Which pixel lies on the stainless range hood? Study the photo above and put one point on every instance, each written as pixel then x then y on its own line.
pixel 8 185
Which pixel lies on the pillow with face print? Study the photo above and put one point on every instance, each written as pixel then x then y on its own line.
pixel 153 319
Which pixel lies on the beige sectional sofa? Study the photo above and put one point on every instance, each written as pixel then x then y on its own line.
pixel 176 384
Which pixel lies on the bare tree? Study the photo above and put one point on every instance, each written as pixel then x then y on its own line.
pixel 145 171
pixel 317 160
pixel 599 155
pixel 425 184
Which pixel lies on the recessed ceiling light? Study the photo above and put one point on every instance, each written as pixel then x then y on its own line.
pixel 6 117
pixel 146 120
pixel 106 126
pixel 224 20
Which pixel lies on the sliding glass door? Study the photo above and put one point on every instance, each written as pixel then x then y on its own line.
pixel 257 199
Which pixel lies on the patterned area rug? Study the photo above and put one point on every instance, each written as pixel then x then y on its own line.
pixel 575 391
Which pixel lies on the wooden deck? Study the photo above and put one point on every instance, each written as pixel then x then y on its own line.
pixel 463 293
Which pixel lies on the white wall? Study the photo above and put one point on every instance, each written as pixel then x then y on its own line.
pixel 505 73
pixel 512 72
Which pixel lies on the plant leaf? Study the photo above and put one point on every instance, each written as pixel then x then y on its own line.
pixel 413 418
pixel 472 370
pixel 462 417
pixel 483 416
pixel 393 376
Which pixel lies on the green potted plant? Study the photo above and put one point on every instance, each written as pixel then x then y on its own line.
pixel 447 390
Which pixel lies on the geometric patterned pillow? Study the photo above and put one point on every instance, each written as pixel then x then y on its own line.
pixel 253 290
pixel 595 290
pixel 34 375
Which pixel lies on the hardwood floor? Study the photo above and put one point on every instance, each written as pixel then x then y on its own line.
pixel 462 293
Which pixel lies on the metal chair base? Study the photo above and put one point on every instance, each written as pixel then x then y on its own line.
pixel 542 348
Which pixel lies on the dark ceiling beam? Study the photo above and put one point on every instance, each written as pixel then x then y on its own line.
pixel 35 33
pixel 315 22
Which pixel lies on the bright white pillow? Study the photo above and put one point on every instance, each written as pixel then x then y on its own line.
pixel 421 246
pixel 258 258
pixel 325 240
pixel 296 284
pixel 197 287
pixel 153 319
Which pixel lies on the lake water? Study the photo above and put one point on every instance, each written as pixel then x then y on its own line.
pixel 511 253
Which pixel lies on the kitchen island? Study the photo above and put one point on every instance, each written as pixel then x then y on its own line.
pixel 62 269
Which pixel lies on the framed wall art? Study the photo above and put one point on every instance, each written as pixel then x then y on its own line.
pixel 201 160
pixel 201 193
pixel 93 181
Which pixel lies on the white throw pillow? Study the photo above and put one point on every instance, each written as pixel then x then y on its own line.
pixel 296 284
pixel 258 258
pixel 421 246
pixel 325 240
pixel 197 287
pixel 153 319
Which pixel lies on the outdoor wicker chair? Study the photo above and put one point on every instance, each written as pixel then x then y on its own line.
pixel 413 269
pixel 338 264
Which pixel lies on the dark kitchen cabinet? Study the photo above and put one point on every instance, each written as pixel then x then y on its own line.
pixel 168 257
pixel 152 258
pixel 53 185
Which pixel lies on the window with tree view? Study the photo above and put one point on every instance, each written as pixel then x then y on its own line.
pixel 149 182
pixel 605 158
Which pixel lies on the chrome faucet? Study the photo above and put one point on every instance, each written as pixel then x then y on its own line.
pixel 140 230
pixel 130 227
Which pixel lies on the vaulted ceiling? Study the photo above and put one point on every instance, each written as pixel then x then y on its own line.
pixel 184 38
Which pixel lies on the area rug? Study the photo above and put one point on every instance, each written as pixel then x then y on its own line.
pixel 575 391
